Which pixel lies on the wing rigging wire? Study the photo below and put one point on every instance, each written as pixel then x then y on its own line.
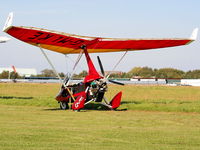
pixel 117 64
pixel 50 63
pixel 70 75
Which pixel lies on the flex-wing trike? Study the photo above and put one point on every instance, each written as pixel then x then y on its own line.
pixel 92 89
pixel 94 85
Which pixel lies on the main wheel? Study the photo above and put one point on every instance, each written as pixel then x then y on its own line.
pixel 64 105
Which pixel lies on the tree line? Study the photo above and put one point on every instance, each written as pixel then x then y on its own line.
pixel 147 72
pixel 136 72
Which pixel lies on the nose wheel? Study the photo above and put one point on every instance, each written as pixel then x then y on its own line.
pixel 64 105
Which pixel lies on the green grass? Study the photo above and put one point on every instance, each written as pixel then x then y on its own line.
pixel 160 98
pixel 29 94
pixel 43 128
pixel 148 98
pixel 158 118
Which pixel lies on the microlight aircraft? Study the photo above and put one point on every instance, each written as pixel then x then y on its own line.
pixel 4 39
pixel 94 85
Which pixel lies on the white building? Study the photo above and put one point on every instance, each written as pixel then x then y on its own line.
pixel 27 72
pixel 191 82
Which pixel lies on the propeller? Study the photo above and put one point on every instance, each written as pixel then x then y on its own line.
pixel 115 82
pixel 101 66
pixel 103 73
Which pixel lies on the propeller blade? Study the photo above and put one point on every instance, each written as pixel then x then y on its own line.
pixel 116 82
pixel 101 66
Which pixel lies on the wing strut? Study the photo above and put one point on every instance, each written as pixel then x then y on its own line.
pixel 50 63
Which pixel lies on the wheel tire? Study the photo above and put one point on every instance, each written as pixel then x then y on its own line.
pixel 64 105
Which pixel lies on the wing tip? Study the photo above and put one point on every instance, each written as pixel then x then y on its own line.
pixel 9 21
pixel 194 34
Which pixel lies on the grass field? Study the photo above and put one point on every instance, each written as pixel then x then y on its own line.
pixel 157 118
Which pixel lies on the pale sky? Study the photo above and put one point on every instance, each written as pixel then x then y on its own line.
pixel 105 18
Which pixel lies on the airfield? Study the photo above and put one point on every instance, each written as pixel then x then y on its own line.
pixel 150 118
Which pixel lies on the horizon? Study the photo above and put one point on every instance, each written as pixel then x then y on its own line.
pixel 40 72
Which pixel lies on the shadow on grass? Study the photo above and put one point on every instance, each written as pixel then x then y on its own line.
pixel 100 107
pixel 52 109
pixel 155 102
pixel 130 102
pixel 15 97
pixel 91 106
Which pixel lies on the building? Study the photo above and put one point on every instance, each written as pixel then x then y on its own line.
pixel 27 72
pixel 190 82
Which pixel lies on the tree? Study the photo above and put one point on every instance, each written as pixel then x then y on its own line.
pixel 135 71
pixel 14 75
pixel 144 72
pixel 83 73
pixel 62 75
pixel 4 75
pixel 48 73
pixel 195 74
pixel 169 73
pixel 80 75
pixel 11 75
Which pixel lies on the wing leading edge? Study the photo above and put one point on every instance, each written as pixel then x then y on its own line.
pixel 70 44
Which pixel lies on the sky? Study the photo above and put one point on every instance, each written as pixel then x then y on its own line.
pixel 105 18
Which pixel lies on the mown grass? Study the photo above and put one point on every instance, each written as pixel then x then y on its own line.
pixel 160 98
pixel 43 128
pixel 149 98
pixel 157 118
pixel 29 94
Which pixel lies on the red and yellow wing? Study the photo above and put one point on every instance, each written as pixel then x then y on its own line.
pixel 70 44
